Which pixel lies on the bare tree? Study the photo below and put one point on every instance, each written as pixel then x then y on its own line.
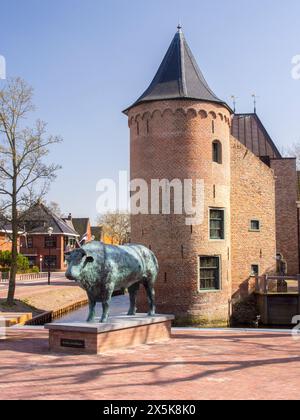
pixel 24 176
pixel 293 151
pixel 54 208
pixel 116 226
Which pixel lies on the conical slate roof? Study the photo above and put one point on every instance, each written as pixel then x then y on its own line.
pixel 179 77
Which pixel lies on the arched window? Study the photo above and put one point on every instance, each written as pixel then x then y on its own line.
pixel 217 151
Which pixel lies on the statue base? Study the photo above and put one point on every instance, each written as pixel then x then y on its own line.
pixel 119 333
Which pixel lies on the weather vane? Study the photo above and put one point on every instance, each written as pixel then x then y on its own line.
pixel 234 98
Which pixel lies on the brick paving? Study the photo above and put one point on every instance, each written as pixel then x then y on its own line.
pixel 194 365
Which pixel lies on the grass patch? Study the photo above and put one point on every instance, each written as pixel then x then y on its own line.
pixel 18 306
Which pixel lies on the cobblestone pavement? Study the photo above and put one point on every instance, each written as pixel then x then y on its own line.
pixel 194 365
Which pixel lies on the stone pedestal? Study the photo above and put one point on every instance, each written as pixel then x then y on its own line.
pixel 119 333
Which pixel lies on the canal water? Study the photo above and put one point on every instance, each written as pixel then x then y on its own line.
pixel 119 306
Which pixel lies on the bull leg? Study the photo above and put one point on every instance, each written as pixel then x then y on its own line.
pixel 92 312
pixel 151 297
pixel 105 315
pixel 133 291
pixel 105 306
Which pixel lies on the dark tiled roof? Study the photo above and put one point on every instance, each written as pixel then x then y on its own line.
pixel 179 77
pixel 97 232
pixel 5 228
pixel 250 131
pixel 40 218
pixel 81 226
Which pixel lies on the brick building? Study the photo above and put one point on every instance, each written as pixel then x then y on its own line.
pixel 44 250
pixel 179 129
pixel 82 226
pixel 5 238
pixel 5 241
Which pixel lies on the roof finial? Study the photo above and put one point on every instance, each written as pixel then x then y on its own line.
pixel 179 27
pixel 255 97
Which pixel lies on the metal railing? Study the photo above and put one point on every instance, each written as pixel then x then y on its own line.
pixel 4 277
pixel 277 285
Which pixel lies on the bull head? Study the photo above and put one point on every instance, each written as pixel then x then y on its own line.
pixel 77 260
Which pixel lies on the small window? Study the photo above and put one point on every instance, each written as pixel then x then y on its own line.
pixel 217 228
pixel 217 152
pixel 50 242
pixel 30 243
pixel 209 273
pixel 254 270
pixel 50 261
pixel 255 225
pixel 32 261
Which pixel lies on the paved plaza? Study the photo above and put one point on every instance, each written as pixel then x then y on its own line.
pixel 194 365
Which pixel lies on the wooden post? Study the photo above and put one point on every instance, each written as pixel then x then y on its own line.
pixel 298 278
pixel 266 300
pixel 257 289
pixel 266 285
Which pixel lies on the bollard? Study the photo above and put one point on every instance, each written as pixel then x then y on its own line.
pixel 2 328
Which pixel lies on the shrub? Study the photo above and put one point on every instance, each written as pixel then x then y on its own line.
pixel 5 262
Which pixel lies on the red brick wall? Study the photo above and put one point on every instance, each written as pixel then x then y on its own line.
pixel 286 211
pixel 5 244
pixel 40 250
pixel 252 197
pixel 173 140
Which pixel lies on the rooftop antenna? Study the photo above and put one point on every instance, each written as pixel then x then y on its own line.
pixel 234 98
pixel 255 97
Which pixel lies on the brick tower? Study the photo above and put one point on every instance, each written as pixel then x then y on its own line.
pixel 179 129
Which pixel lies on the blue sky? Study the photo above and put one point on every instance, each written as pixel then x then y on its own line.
pixel 89 59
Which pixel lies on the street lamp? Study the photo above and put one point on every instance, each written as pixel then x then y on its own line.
pixel 50 232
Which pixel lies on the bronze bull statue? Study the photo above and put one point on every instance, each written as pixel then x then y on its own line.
pixel 101 269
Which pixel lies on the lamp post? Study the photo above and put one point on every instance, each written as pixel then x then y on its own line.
pixel 50 232
pixel 41 263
